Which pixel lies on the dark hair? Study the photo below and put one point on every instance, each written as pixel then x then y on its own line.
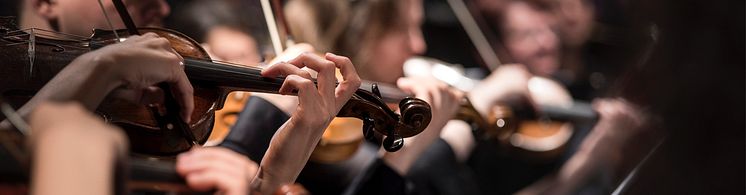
pixel 10 8
pixel 196 17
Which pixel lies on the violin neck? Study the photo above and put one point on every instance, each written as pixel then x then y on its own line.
pixel 242 78
pixel 230 77
pixel 389 93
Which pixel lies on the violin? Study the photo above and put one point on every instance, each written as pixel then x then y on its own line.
pixel 536 133
pixel 31 59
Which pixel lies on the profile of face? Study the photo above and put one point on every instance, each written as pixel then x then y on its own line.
pixel 80 17
pixel 575 19
pixel 393 48
pixel 529 38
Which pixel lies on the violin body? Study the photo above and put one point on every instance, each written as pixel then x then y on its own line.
pixel 52 55
pixel 31 60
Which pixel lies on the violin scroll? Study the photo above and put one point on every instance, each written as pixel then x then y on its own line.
pixel 378 118
pixel 415 114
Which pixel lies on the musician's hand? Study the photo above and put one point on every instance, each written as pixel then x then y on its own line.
pixel 74 152
pixel 129 69
pixel 506 83
pixel 317 105
pixel 141 62
pixel 216 168
pixel 444 101
pixel 287 104
pixel 618 119
pixel 294 141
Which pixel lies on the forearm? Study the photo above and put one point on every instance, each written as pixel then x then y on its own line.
pixel 86 80
pixel 288 153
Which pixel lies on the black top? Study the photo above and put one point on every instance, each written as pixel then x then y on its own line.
pixel 364 173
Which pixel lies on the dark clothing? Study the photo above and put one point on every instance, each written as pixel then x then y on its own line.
pixel 364 173
pixel 438 171
pixel 254 128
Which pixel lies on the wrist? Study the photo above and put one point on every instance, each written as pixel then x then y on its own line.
pixel 103 69
pixel 308 125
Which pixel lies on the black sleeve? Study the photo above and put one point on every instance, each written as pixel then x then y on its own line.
pixel 254 128
pixel 437 171
pixel 379 179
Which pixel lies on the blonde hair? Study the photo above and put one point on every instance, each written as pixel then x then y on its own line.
pixel 317 22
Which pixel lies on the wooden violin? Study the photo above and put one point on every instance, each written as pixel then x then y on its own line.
pixel 31 59
pixel 520 129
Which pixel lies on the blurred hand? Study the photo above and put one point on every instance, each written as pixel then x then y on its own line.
pixel 505 84
pixel 619 119
pixel 60 121
pixel 216 168
pixel 74 152
pixel 444 101
pixel 292 52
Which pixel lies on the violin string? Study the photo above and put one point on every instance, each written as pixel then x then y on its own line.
pixel 108 21
pixel 45 34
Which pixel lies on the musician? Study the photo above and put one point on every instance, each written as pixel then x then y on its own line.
pixel 380 36
pixel 302 130
pixel 400 39
pixel 529 39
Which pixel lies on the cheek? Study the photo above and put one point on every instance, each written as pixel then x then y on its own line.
pixel 520 50
pixel 388 58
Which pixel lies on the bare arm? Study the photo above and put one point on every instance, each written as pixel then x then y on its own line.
pixel 293 143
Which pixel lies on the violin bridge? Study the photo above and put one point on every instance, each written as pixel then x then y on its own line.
pixel 31 54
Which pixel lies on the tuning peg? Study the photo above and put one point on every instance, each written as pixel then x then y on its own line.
pixel 368 125
pixel 393 143
pixel 374 89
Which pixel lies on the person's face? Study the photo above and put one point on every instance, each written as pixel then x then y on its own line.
pixel 530 40
pixel 575 21
pixel 231 45
pixel 80 17
pixel 396 46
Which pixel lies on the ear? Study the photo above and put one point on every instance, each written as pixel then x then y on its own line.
pixel 47 9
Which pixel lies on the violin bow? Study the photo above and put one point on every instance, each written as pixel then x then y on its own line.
pixel 170 119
